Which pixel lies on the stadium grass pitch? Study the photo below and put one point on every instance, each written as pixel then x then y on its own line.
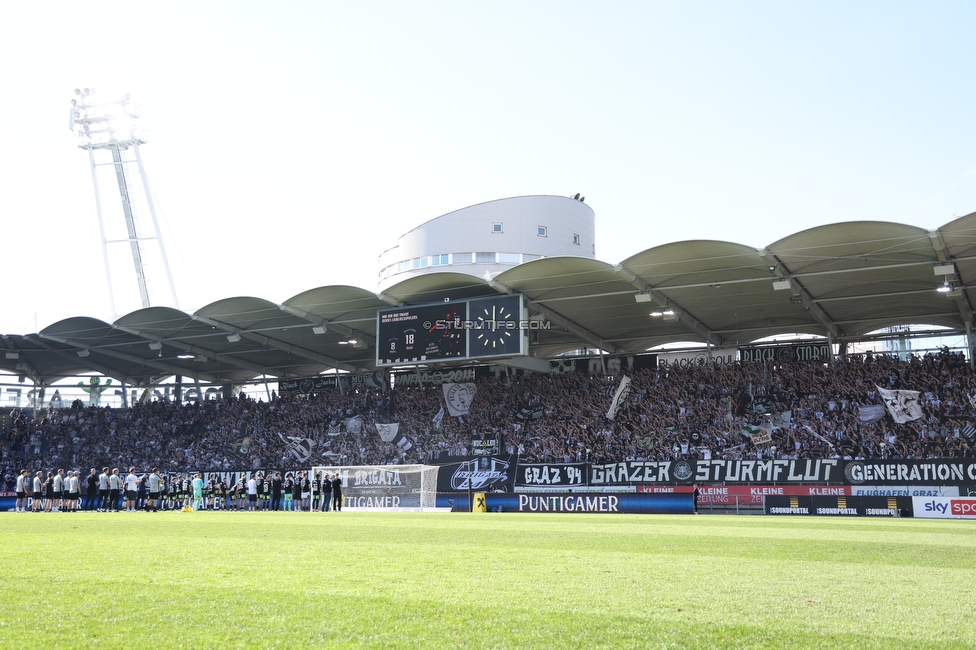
pixel 227 579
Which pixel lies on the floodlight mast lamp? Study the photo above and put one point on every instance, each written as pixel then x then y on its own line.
pixel 111 126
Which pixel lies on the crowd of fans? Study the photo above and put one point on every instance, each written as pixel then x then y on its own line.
pixel 814 410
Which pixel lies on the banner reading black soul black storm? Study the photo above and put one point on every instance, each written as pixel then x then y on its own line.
pixel 773 353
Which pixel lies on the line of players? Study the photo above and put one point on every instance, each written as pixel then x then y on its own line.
pixel 61 492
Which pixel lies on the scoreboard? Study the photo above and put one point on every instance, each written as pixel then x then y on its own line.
pixel 483 327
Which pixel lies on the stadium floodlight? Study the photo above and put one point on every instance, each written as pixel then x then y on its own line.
pixel 657 313
pixel 642 296
pixel 83 353
pixel 779 285
pixel 155 345
pixel 233 338
pixel 111 127
pixel 13 355
pixel 944 287
pixel 945 269
pixel 320 329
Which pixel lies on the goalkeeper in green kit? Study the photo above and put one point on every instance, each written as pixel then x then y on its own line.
pixel 197 491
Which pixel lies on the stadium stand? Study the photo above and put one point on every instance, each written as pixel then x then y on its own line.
pixel 691 413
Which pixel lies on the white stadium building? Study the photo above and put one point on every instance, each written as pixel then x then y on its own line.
pixel 489 238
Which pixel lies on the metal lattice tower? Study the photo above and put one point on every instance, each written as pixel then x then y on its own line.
pixel 108 132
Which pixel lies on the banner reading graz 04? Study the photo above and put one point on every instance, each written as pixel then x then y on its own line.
pixel 487 474
pixel 941 471
pixel 826 470
pixel 550 475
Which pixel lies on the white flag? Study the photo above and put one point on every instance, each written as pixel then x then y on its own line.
pixel 783 420
pixel 387 431
pixel 972 401
pixel 902 404
pixel 623 390
pixel 439 418
pixel 818 436
pixel 354 425
pixel 870 413
pixel 459 398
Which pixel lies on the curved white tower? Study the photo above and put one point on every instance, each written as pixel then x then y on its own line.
pixel 491 237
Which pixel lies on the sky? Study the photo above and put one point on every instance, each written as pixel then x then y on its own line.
pixel 290 143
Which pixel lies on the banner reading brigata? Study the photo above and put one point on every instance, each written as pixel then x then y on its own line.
pixel 486 474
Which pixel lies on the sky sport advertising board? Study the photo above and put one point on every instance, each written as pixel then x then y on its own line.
pixel 944 507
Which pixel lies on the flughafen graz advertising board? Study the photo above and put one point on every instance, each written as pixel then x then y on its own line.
pixel 452 331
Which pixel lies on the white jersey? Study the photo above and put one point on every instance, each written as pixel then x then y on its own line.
pixel 252 486
pixel 58 483
pixel 73 482
pixel 132 483
pixel 113 482
pixel 154 482
pixel 103 481
pixel 20 483
pixel 37 485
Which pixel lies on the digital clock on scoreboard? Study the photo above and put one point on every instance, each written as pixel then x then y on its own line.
pixel 420 334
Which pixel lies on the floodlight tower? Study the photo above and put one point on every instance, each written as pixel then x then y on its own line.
pixel 110 127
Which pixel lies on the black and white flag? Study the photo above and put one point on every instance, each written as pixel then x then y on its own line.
pixel 459 398
pixel 387 431
pixel 902 404
pixel 623 390
pixel 300 448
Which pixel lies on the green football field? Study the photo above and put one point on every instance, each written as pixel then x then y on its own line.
pixel 291 580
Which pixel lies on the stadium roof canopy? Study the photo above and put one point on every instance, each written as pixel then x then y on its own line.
pixel 841 281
